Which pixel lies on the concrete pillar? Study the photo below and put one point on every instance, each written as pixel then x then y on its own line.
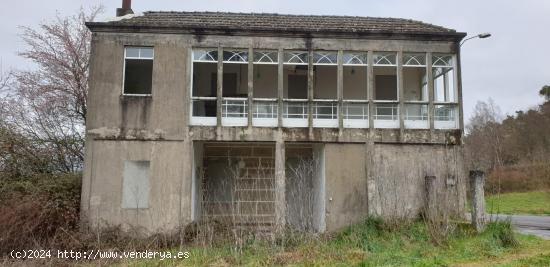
pixel 400 95
pixel 280 184
pixel 431 196
pixel 310 93
pixel 370 88
pixel 219 92
pixel 280 87
pixel 477 181
pixel 250 85
pixel 429 75
pixel 340 91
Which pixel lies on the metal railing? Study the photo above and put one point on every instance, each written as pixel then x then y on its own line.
pixel 295 108
pixel 416 111
pixel 325 109
pixel 234 107
pixel 386 111
pixel 265 108
pixel 353 110
pixel 445 113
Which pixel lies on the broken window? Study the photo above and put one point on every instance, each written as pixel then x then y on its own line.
pixel 135 185
pixel 295 83
pixel 444 78
pixel 235 87
pixel 205 80
pixel 265 84
pixel 325 93
pixel 385 90
pixel 355 76
pixel 415 89
pixel 355 107
pixel 138 70
pixel 385 76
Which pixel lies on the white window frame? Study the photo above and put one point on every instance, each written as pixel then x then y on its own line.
pixel 139 57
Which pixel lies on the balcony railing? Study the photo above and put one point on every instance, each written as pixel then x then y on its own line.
pixel 386 115
pixel 416 116
pixel 295 113
pixel 203 111
pixel 445 116
pixel 325 113
pixel 356 114
pixel 264 112
pixel 234 111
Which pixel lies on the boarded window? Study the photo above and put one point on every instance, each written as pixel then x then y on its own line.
pixel 138 70
pixel 135 185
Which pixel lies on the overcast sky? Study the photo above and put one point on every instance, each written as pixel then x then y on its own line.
pixel 509 67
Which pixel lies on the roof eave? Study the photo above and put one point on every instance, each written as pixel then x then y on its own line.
pixel 433 36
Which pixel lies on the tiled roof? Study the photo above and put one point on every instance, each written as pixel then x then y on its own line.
pixel 264 22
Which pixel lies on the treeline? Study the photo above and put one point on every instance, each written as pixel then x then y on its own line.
pixel 513 150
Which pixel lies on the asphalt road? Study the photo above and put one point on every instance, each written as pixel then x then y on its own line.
pixel 533 225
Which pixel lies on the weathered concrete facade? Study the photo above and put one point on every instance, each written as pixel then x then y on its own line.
pixel 364 171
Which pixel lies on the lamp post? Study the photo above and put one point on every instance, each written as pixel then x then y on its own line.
pixel 480 36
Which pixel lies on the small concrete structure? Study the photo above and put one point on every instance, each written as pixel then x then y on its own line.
pixel 308 122
pixel 477 182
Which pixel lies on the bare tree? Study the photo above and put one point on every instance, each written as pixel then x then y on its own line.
pixel 47 105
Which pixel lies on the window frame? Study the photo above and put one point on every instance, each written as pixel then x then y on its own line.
pixel 139 58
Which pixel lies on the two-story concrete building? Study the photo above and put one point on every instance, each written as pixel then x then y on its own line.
pixel 207 115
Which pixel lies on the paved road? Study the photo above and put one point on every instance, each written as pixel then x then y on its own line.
pixel 533 225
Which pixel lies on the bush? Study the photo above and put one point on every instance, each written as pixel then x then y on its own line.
pixel 518 178
pixel 40 211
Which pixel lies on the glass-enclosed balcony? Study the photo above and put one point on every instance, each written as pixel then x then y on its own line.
pixel 324 89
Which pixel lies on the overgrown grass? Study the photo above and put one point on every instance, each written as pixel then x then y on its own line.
pixel 536 203
pixel 373 244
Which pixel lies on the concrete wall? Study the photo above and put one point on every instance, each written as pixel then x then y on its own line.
pixel 397 174
pixel 169 192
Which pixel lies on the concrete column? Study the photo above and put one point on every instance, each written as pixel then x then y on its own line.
pixel 250 85
pixel 429 75
pixel 477 181
pixel 400 95
pixel 431 196
pixel 280 87
pixel 219 91
pixel 280 177
pixel 370 88
pixel 310 93
pixel 340 91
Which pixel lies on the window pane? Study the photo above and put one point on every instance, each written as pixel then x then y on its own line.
pixel 146 52
pixel 132 52
pixel 205 79
pixel 138 76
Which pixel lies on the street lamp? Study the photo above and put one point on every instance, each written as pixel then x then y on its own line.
pixel 480 36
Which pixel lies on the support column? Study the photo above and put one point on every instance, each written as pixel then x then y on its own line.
pixel 310 93
pixel 429 75
pixel 370 89
pixel 400 95
pixel 477 181
pixel 340 91
pixel 250 85
pixel 280 87
pixel 219 91
pixel 280 184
